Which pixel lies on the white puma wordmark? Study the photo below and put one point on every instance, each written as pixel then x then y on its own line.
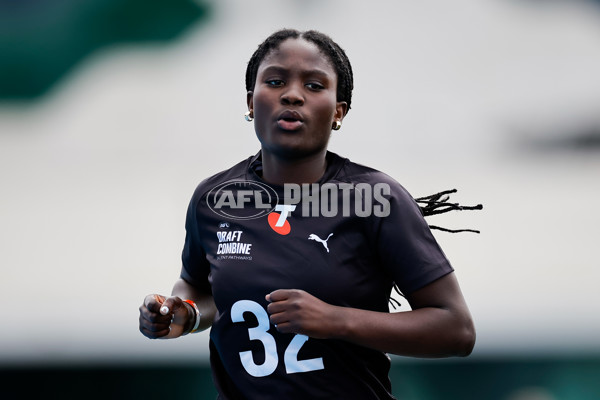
pixel 312 236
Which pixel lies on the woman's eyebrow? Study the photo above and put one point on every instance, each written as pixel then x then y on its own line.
pixel 317 72
pixel 274 69
pixel 282 70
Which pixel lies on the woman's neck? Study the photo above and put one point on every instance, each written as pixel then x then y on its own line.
pixel 279 171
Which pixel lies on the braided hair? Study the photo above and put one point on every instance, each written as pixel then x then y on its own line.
pixel 438 204
pixel 335 54
pixel 432 205
pixel 429 205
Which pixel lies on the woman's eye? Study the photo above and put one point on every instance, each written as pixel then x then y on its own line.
pixel 274 82
pixel 314 86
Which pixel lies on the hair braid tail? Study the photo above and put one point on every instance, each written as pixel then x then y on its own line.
pixel 438 204
pixel 432 205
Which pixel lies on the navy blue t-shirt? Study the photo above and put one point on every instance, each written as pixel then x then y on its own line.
pixel 345 240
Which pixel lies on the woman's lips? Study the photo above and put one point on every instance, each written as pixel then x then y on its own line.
pixel 289 125
pixel 290 120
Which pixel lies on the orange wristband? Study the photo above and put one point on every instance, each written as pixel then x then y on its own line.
pixel 197 315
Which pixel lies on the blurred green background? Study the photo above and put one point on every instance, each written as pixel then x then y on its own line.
pixel 494 379
pixel 43 40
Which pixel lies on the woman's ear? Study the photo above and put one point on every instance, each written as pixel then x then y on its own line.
pixel 250 100
pixel 341 109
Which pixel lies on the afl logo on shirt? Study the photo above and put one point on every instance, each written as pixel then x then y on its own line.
pixel 242 200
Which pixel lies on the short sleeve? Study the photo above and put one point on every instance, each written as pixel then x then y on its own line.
pixel 195 267
pixel 405 245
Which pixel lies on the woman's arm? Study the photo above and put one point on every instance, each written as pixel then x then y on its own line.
pixel 164 317
pixel 439 324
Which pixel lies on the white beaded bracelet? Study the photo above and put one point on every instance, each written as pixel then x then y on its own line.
pixel 197 316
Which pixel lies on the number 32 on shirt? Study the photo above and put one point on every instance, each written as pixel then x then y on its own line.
pixel 290 358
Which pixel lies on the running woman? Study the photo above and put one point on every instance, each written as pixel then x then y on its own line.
pixel 291 255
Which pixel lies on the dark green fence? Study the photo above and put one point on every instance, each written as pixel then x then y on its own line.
pixel 489 379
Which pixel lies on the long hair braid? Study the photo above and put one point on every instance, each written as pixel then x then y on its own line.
pixel 438 204
pixel 432 205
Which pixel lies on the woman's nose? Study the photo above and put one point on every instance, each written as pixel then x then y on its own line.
pixel 292 95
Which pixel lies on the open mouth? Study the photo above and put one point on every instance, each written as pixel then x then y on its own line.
pixel 290 120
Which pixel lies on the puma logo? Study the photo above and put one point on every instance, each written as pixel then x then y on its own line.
pixel 312 236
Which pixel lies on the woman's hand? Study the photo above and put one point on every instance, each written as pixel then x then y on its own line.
pixel 163 317
pixel 296 311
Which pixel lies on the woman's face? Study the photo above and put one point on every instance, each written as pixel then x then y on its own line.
pixel 294 100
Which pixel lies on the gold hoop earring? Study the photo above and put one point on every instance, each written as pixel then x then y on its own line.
pixel 337 124
pixel 248 116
